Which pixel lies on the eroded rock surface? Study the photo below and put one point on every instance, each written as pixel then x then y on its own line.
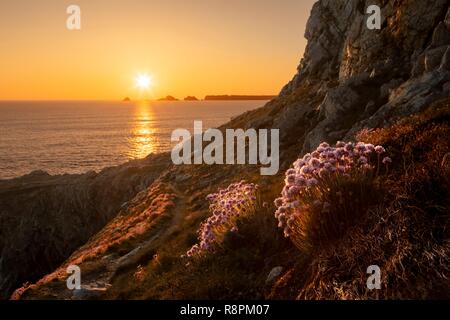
pixel 371 77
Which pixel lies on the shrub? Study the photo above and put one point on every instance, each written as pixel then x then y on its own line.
pixel 227 207
pixel 327 190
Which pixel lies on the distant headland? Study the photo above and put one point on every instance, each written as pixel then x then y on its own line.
pixel 239 97
pixel 214 98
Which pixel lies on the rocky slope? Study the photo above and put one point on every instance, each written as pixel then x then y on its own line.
pixel 44 218
pixel 350 78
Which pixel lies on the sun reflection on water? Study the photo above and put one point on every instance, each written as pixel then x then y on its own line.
pixel 142 138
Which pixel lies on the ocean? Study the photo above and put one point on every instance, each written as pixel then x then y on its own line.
pixel 74 137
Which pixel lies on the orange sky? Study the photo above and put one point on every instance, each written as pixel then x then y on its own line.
pixel 190 47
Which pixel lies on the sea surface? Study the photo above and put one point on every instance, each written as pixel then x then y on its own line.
pixel 75 137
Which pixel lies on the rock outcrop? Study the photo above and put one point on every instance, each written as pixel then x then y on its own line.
pixel 352 78
pixel 368 78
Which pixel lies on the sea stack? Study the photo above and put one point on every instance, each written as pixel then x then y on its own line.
pixel 190 98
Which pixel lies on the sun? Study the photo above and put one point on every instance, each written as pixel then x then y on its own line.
pixel 143 81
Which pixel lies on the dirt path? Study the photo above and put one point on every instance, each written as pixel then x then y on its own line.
pixel 95 287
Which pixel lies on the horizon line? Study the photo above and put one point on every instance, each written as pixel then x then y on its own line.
pixel 138 100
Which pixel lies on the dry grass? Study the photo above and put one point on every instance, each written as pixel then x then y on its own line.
pixel 407 234
pixel 237 270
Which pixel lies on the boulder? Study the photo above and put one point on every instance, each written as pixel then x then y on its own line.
pixel 274 274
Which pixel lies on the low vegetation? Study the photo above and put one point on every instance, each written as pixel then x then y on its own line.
pixel 390 213
pixel 327 191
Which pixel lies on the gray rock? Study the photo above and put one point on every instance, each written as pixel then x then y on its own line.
pixel 445 63
pixel 387 88
pixel 447 17
pixel 446 87
pixel 182 177
pixel 433 58
pixel 274 274
pixel 337 101
pixel 441 35
pixel 123 260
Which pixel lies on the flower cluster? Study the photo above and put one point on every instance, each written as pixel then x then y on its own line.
pixel 226 206
pixel 313 176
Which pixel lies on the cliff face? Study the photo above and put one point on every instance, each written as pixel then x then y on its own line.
pixel 350 78
pixel 369 77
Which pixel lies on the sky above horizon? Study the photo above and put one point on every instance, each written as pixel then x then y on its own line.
pixel 196 47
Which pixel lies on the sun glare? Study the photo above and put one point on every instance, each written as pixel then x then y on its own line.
pixel 143 81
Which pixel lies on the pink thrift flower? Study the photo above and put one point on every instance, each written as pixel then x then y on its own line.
pixel 379 149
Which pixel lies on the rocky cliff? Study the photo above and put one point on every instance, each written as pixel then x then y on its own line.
pixel 44 218
pixel 350 78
